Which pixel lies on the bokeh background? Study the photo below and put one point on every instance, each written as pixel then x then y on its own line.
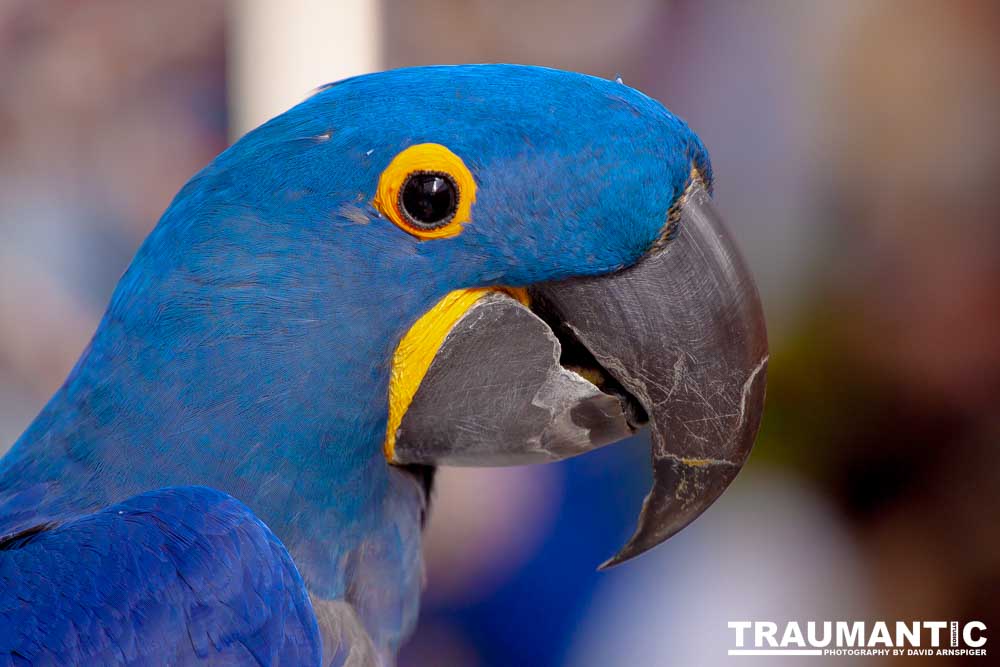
pixel 857 152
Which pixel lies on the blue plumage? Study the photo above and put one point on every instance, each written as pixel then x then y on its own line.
pixel 248 346
pixel 166 577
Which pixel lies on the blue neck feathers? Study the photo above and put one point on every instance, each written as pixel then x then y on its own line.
pixel 233 356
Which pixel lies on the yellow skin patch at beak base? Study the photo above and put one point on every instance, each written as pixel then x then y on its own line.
pixel 421 344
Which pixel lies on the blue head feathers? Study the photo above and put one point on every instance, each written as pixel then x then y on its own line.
pixel 575 174
pixel 248 346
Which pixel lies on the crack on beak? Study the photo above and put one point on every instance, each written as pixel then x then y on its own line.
pixel 748 385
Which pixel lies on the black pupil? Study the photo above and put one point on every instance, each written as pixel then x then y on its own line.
pixel 429 199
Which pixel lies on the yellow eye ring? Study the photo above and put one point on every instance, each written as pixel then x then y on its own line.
pixel 427 191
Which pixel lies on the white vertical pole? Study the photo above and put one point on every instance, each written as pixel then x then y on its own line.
pixel 279 51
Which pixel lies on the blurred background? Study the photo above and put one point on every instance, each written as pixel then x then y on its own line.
pixel 856 148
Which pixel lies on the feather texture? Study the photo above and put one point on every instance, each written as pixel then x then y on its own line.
pixel 174 576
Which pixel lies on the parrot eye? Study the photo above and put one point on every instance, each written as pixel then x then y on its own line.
pixel 427 191
pixel 429 199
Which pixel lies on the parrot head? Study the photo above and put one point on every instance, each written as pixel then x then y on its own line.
pixel 471 265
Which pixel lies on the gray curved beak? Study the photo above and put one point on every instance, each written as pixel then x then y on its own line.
pixel 677 340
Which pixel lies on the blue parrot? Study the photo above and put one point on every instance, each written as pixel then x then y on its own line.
pixel 457 265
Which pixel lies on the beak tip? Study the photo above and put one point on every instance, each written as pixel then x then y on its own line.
pixel 682 491
pixel 608 564
pixel 626 553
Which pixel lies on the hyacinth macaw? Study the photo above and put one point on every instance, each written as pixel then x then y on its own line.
pixel 468 265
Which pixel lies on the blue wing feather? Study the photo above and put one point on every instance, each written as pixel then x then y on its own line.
pixel 178 575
